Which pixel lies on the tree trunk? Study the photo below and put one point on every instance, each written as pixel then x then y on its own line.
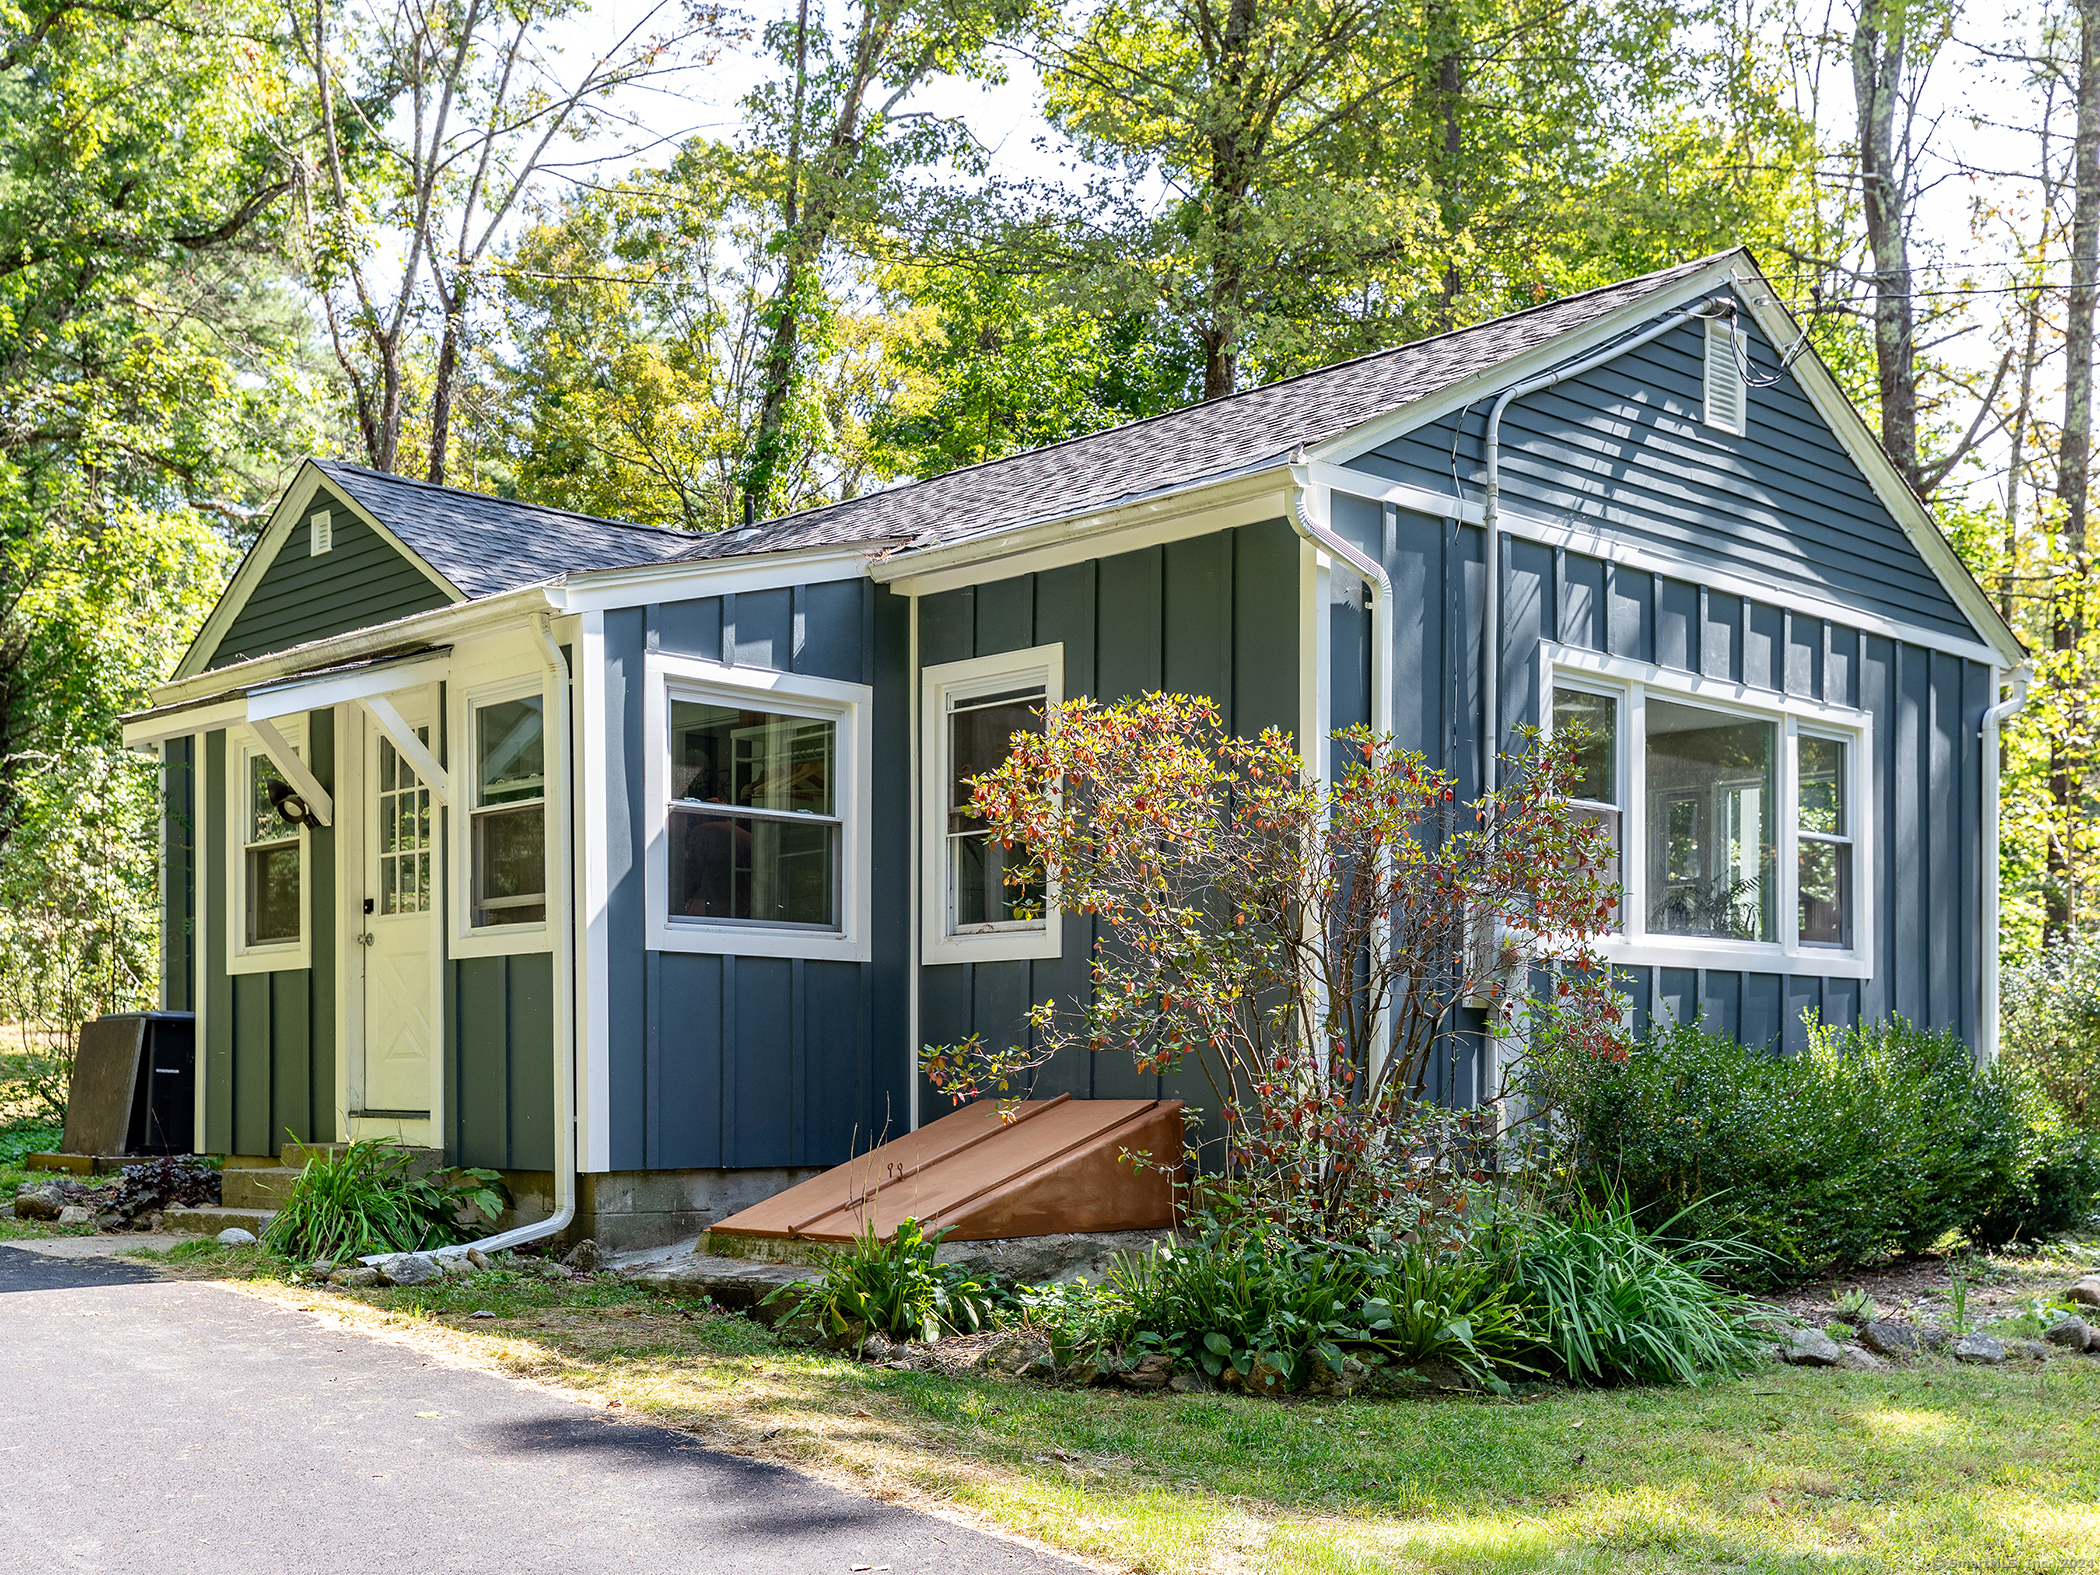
pixel 1877 74
pixel 1450 87
pixel 441 396
pixel 2074 460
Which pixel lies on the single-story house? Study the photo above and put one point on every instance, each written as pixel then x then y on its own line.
pixel 635 849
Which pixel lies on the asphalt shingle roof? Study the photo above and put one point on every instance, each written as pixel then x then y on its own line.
pixel 1183 446
pixel 485 545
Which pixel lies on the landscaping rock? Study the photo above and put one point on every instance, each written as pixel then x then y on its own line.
pixel 2033 1350
pixel 39 1203
pixel 1150 1373
pixel 321 1268
pixel 407 1268
pixel 1100 1368
pixel 234 1236
pixel 1020 1356
pixel 357 1278
pixel 1340 1382
pixel 1857 1359
pixel 2073 1334
pixel 2086 1290
pixel 1191 1383
pixel 1886 1338
pixel 1811 1348
pixel 480 1259
pixel 74 1214
pixel 551 1270
pixel 455 1265
pixel 1978 1348
pixel 1934 1338
pixel 7 1211
pixel 586 1257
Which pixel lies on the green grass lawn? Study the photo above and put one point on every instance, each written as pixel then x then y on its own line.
pixel 1935 1467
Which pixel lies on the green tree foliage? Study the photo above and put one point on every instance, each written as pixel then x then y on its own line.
pixel 632 386
pixel 153 387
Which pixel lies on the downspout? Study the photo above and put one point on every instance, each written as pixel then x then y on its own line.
pixel 1491 506
pixel 564 970
pixel 1993 720
pixel 1303 509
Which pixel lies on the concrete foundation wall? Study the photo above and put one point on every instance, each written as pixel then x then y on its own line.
pixel 623 1210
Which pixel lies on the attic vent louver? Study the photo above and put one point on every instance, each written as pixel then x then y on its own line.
pixel 1727 401
pixel 321 536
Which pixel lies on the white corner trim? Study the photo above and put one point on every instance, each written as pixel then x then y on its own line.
pixel 939 687
pixel 850 708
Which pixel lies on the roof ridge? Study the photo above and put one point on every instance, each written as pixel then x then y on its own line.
pixel 1409 347
pixel 328 466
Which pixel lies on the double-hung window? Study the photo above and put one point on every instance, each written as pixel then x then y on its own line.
pixel 271 858
pixel 761 783
pixel 509 812
pixel 1733 815
pixel 979 901
pixel 754 828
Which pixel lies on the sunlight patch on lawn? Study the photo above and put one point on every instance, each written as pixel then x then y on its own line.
pixel 1895 1424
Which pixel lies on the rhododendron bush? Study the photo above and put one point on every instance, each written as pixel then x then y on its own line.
pixel 1311 947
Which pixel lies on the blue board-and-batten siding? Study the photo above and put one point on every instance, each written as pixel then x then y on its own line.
pixel 739 1062
pixel 1212 615
pixel 1623 449
pixel 269 1038
pixel 1927 709
pixel 362 580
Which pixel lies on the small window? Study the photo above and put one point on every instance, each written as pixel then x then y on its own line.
pixel 1824 867
pixel 754 829
pixel 981 895
pixel 1727 401
pixel 1594 721
pixel 1711 824
pixel 270 855
pixel 509 815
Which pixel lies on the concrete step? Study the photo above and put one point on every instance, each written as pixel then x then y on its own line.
pixel 422 1161
pixel 210 1221
pixel 256 1189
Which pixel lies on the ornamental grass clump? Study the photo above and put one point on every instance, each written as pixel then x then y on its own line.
pixel 364 1198
pixel 1307 948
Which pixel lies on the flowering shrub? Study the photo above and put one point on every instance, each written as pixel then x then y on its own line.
pixel 1308 945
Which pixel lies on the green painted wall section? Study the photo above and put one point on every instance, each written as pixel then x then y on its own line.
pixel 269 1038
pixel 499 1061
pixel 362 580
pixel 178 876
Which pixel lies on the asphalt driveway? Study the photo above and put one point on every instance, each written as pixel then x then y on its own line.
pixel 162 1425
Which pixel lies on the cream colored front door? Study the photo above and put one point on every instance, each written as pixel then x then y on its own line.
pixel 400 869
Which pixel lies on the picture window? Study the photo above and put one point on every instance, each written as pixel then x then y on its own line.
pixel 754 830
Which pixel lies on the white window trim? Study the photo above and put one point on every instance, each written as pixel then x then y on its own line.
pixel 851 708
pixel 941 686
pixel 492 940
pixel 243 748
pixel 1632 682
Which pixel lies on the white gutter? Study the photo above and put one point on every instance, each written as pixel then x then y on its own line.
pixel 1993 720
pixel 1719 306
pixel 561 747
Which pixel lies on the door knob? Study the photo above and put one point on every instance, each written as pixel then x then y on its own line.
pixel 365 939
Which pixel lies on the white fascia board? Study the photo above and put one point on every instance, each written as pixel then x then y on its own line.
pixel 156 728
pixel 1241 497
pixel 318 694
pixel 290 510
pixel 602 590
pixel 437 626
pixel 1594 543
pixel 1736 273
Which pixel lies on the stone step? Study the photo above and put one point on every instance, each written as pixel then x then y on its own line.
pixel 210 1221
pixel 256 1189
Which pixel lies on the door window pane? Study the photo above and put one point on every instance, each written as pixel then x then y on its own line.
pixel 404 831
pixel 1711 828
